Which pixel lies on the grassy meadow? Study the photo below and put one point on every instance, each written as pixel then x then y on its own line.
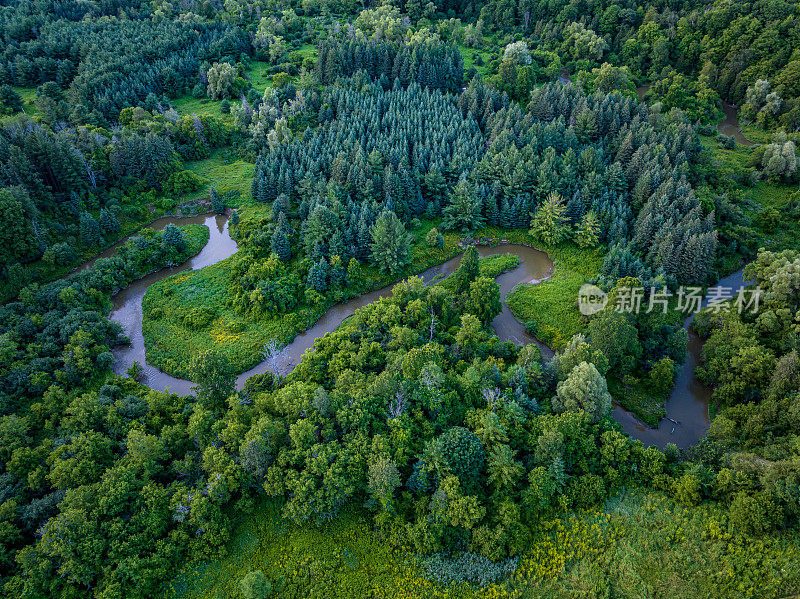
pixel 639 544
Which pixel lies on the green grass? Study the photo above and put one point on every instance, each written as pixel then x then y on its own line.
pixel 189 105
pixel 225 172
pixel 196 237
pixel 494 266
pixel 28 95
pixel 259 78
pixel 638 544
pixel 730 164
pixel 637 397
pixel 552 304
pixel 241 337
pixel 467 55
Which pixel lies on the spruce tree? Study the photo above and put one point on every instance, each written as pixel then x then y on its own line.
pixel 391 244
pixel 588 231
pixel 464 210
pixel 90 230
pixel 318 276
pixel 109 222
pixel 217 202
pixel 550 222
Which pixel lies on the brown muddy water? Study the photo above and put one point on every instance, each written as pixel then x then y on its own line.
pixel 687 417
pixel 127 304
pixel 730 125
pixel 534 266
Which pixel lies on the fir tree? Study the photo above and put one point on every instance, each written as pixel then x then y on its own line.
pixel 391 244
pixel 217 202
pixel 587 232
pixel 90 230
pixel 109 222
pixel 464 210
pixel 318 276
pixel 550 222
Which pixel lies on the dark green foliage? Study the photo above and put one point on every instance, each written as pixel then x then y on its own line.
pixel 318 276
pixel 18 240
pixel 459 452
pixel 390 243
pixel 10 102
pixel 109 223
pixel 91 234
pixel 115 67
pixel 434 64
pixel 217 201
pixel 215 380
pixel 174 239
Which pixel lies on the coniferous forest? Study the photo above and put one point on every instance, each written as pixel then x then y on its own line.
pixel 294 298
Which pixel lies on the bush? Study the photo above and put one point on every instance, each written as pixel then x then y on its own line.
pixel 181 182
pixel 61 254
pixel 467 567
pixel 255 586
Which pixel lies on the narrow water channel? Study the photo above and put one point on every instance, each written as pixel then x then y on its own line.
pixel 127 303
pixel 687 417
pixel 730 125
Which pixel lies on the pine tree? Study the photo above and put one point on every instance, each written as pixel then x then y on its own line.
pixel 467 271
pixel 18 239
pixel 550 222
pixel 109 222
pixel 587 232
pixel 90 230
pixel 281 246
pixel 464 210
pixel 280 206
pixel 391 244
pixel 318 276
pixel 217 202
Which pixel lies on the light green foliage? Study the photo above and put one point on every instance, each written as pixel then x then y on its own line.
pixel 587 232
pixel 214 377
pixel 383 478
pixel 551 304
pixel 615 335
pixel 583 389
pixel 255 586
pixel 662 375
pixel 463 213
pixel 221 80
pixel 550 221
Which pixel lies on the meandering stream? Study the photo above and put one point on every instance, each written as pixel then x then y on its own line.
pixel 687 417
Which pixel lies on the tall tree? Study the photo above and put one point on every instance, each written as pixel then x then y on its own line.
pixel 550 222
pixel 17 234
pixel 464 210
pixel 215 379
pixel 391 244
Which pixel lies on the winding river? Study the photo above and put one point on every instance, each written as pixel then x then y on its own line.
pixel 687 418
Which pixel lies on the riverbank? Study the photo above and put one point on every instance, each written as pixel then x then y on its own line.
pixel 686 419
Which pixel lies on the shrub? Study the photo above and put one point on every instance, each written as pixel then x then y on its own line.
pixel 182 182
pixel 467 567
pixel 255 586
